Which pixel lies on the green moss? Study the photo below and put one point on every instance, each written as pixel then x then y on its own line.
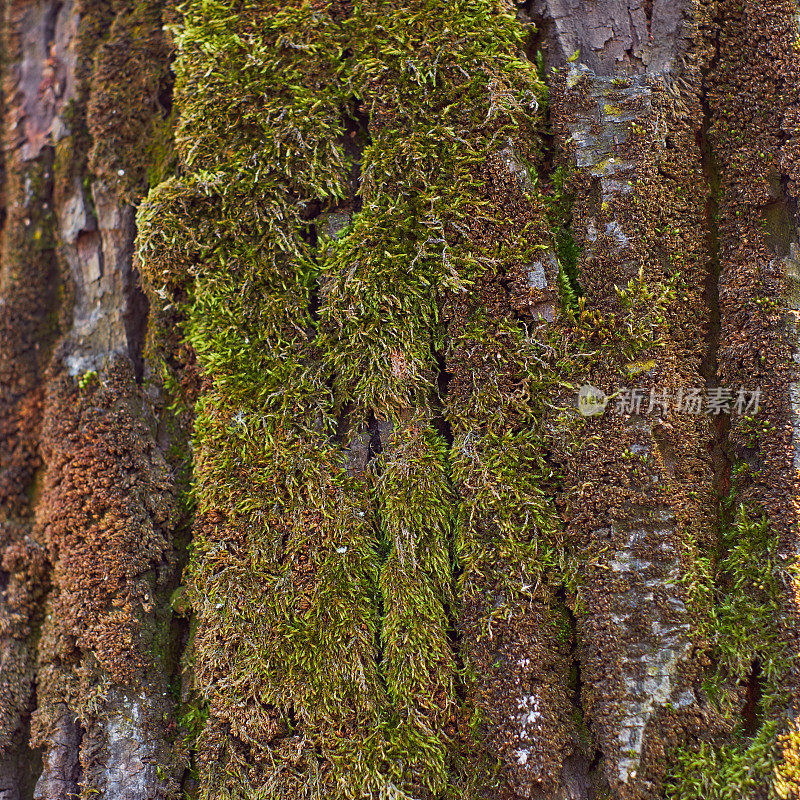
pixel 88 379
pixel 726 772
pixel 567 252
pixel 509 517
pixel 191 719
pixel 746 618
pixel 124 114
pixel 745 629
pixel 414 500
pixel 160 150
pixel 286 575
pixel 323 597
pixel 434 122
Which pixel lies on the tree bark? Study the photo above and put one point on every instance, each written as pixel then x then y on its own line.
pixel 297 499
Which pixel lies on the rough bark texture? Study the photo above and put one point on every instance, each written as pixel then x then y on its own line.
pixel 295 498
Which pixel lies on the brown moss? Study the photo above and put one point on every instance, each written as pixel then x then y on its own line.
pixel 523 705
pixel 29 323
pixel 129 101
pixel 752 109
pixel 640 487
pixel 106 510
pixel 106 516
pixel 753 96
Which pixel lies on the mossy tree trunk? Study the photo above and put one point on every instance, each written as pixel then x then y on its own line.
pixel 295 497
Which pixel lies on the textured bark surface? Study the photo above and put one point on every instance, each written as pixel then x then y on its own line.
pixel 295 498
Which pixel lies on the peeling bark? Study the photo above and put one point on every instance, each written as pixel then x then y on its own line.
pixel 70 298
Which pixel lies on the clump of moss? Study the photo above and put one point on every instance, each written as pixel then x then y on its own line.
pixel 786 773
pixel 451 209
pixel 747 614
pixel 725 772
pixel 568 252
pixel 510 550
pixel 108 539
pixel 450 102
pixel 324 597
pixel 128 106
pixel 445 86
pixel 414 502
pixel 283 568
pixel 745 633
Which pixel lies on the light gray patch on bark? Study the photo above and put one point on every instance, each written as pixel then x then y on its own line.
pixel 651 662
pixel 44 76
pixel 603 125
pixel 651 621
pixel 536 275
pixel 98 247
pixel 61 770
pixel 542 276
pixel 125 749
pixel 613 36
pixel 600 129
pixel 130 767
pixel 792 271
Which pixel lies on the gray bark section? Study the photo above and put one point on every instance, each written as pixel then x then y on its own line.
pixel 627 595
pixel 45 76
pixel 99 250
pixel 130 746
pixel 61 774
pixel 613 36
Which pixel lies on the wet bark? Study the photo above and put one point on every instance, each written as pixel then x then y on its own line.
pixel 295 498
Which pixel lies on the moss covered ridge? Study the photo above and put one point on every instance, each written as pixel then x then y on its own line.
pixel 379 574
pixel 324 594
pixel 753 624
pixel 283 569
